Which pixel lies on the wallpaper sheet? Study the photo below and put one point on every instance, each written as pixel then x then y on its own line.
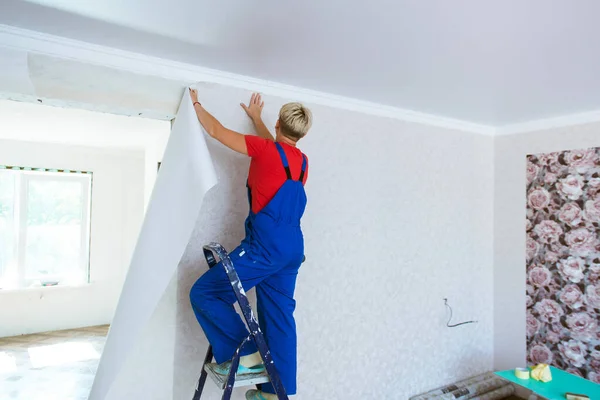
pixel 563 261
pixel 187 173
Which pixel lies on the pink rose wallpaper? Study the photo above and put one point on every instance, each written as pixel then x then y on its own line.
pixel 563 261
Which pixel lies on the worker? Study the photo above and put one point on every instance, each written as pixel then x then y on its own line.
pixel 270 255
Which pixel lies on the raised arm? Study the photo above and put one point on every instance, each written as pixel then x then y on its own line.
pixel 234 140
pixel 254 111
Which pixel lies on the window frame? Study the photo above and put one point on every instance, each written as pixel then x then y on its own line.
pixel 23 177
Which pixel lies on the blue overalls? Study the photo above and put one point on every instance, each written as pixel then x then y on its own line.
pixel 268 258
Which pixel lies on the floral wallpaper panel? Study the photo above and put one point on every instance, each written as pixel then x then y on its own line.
pixel 563 261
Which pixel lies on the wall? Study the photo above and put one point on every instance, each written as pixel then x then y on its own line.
pixel 117 211
pixel 509 230
pixel 399 217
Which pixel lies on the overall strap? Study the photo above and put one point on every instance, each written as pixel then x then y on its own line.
pixel 284 160
pixel 249 194
pixel 301 179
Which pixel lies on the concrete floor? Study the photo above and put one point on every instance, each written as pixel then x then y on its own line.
pixel 56 365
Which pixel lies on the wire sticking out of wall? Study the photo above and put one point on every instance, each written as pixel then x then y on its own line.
pixel 448 324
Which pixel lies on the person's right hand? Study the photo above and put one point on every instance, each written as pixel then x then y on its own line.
pixel 254 107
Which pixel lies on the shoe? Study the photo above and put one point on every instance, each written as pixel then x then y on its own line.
pixel 254 394
pixel 223 369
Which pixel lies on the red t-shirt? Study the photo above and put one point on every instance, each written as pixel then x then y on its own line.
pixel 266 173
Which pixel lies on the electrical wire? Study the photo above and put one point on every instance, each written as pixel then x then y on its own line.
pixel 450 319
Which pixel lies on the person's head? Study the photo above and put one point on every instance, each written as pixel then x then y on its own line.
pixel 294 121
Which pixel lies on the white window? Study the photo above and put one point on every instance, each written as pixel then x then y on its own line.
pixel 44 227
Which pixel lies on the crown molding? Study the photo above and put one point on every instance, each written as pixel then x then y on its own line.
pixel 549 123
pixel 40 43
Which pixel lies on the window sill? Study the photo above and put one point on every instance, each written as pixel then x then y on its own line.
pixel 45 288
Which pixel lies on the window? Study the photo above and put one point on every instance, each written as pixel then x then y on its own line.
pixel 44 227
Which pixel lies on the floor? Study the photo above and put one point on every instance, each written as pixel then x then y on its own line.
pixel 56 365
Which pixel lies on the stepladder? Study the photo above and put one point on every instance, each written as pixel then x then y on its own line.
pixel 227 383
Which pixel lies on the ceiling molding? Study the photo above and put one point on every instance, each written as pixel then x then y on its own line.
pixel 40 43
pixel 550 123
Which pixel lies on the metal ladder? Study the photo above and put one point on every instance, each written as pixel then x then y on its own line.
pixel 255 334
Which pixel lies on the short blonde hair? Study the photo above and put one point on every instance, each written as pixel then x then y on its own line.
pixel 294 120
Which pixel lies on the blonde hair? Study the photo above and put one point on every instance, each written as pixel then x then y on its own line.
pixel 294 120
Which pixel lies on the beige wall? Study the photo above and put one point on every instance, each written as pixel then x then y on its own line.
pixel 399 217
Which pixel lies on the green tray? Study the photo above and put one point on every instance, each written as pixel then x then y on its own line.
pixel 562 382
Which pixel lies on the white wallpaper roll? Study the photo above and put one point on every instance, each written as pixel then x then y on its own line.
pixel 484 387
pixel 186 175
pixel 449 389
pixel 472 388
pixel 500 393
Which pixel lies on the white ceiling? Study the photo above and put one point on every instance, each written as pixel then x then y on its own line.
pixel 489 62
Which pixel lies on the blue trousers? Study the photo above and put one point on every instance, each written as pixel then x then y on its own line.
pixel 212 300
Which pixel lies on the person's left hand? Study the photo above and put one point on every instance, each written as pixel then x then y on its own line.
pixel 254 107
pixel 194 95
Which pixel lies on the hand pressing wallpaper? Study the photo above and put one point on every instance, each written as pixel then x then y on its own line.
pixel 563 261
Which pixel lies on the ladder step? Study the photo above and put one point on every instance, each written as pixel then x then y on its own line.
pixel 242 380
